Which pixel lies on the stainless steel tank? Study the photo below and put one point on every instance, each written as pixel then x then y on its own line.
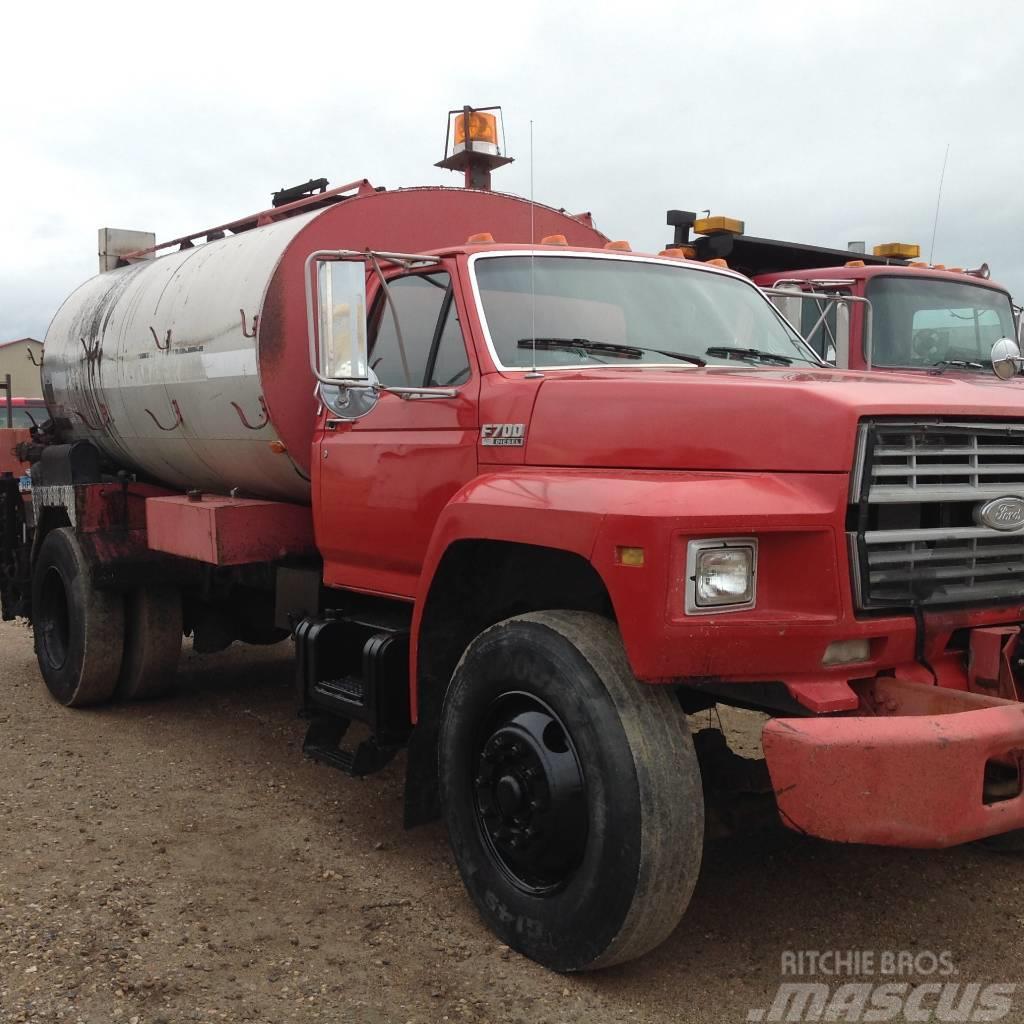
pixel 157 364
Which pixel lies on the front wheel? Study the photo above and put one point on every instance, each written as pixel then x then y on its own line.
pixel 571 792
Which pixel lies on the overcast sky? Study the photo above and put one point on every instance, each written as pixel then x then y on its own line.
pixel 813 122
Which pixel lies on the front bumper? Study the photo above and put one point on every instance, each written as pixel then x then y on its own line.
pixel 913 775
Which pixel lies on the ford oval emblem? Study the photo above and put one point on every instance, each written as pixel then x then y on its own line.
pixel 1001 514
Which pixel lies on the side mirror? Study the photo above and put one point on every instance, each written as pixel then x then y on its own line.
pixel 341 319
pixel 1006 358
pixel 336 322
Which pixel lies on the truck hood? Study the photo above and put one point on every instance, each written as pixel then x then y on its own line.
pixel 725 418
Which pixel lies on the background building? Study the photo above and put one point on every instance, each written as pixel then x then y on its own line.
pixel 16 359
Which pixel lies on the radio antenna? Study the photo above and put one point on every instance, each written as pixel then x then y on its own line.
pixel 938 200
pixel 533 287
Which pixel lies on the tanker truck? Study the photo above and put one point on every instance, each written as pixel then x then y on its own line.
pixel 523 499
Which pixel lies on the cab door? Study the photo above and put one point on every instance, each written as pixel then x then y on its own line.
pixel 381 482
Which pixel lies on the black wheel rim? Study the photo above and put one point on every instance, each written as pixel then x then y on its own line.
pixel 54 622
pixel 530 794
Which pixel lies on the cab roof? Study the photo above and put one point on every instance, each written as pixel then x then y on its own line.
pixel 843 272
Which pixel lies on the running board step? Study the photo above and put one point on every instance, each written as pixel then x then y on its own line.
pixel 352 670
pixel 322 744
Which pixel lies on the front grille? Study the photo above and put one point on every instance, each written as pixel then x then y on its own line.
pixel 916 487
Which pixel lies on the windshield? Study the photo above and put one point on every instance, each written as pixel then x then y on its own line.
pixel 24 416
pixel 590 311
pixel 924 322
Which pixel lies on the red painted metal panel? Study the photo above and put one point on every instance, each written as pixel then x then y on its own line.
pixel 990 668
pixel 721 418
pixel 113 506
pixel 824 695
pixel 228 531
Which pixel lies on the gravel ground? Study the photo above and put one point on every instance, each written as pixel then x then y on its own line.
pixel 179 861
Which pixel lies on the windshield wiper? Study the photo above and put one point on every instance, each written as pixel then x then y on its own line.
pixel 606 347
pixel 730 352
pixel 959 364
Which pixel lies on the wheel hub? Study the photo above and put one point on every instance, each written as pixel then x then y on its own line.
pixel 531 803
pixel 509 796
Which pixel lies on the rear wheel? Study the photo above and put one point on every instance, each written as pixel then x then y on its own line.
pixel 78 630
pixel 571 792
pixel 152 643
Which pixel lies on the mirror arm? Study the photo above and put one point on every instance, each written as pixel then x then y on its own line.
pixel 413 392
pixel 408 393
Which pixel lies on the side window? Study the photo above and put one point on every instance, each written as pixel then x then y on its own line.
pixel 451 367
pixel 418 300
pixel 825 336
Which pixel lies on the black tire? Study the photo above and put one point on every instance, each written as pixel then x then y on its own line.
pixel 574 876
pixel 152 643
pixel 78 631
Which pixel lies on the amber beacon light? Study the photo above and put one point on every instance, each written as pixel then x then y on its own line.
pixel 473 144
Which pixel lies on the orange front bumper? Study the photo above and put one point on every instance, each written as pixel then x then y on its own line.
pixel 903 779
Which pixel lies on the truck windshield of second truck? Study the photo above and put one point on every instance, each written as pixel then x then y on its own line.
pixel 597 311
pixel 929 322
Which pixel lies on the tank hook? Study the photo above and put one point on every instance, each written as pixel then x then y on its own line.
pixel 255 324
pixel 245 420
pixel 178 420
pixel 91 351
pixel 32 358
pixel 104 417
pixel 162 347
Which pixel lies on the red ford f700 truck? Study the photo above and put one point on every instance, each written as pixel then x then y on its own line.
pixel 521 508
pixel 882 311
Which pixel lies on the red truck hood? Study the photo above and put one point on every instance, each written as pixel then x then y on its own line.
pixel 786 420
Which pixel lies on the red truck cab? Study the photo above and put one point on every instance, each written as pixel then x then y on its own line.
pixel 914 318
pixel 886 310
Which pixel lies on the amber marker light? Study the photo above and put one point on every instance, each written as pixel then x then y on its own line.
pixel 629 556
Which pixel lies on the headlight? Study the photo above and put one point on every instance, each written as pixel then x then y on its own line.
pixel 720 574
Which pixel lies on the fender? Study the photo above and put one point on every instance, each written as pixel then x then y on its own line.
pixel 798 517
pixel 541 508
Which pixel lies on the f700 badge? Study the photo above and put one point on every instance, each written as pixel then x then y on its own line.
pixel 503 435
